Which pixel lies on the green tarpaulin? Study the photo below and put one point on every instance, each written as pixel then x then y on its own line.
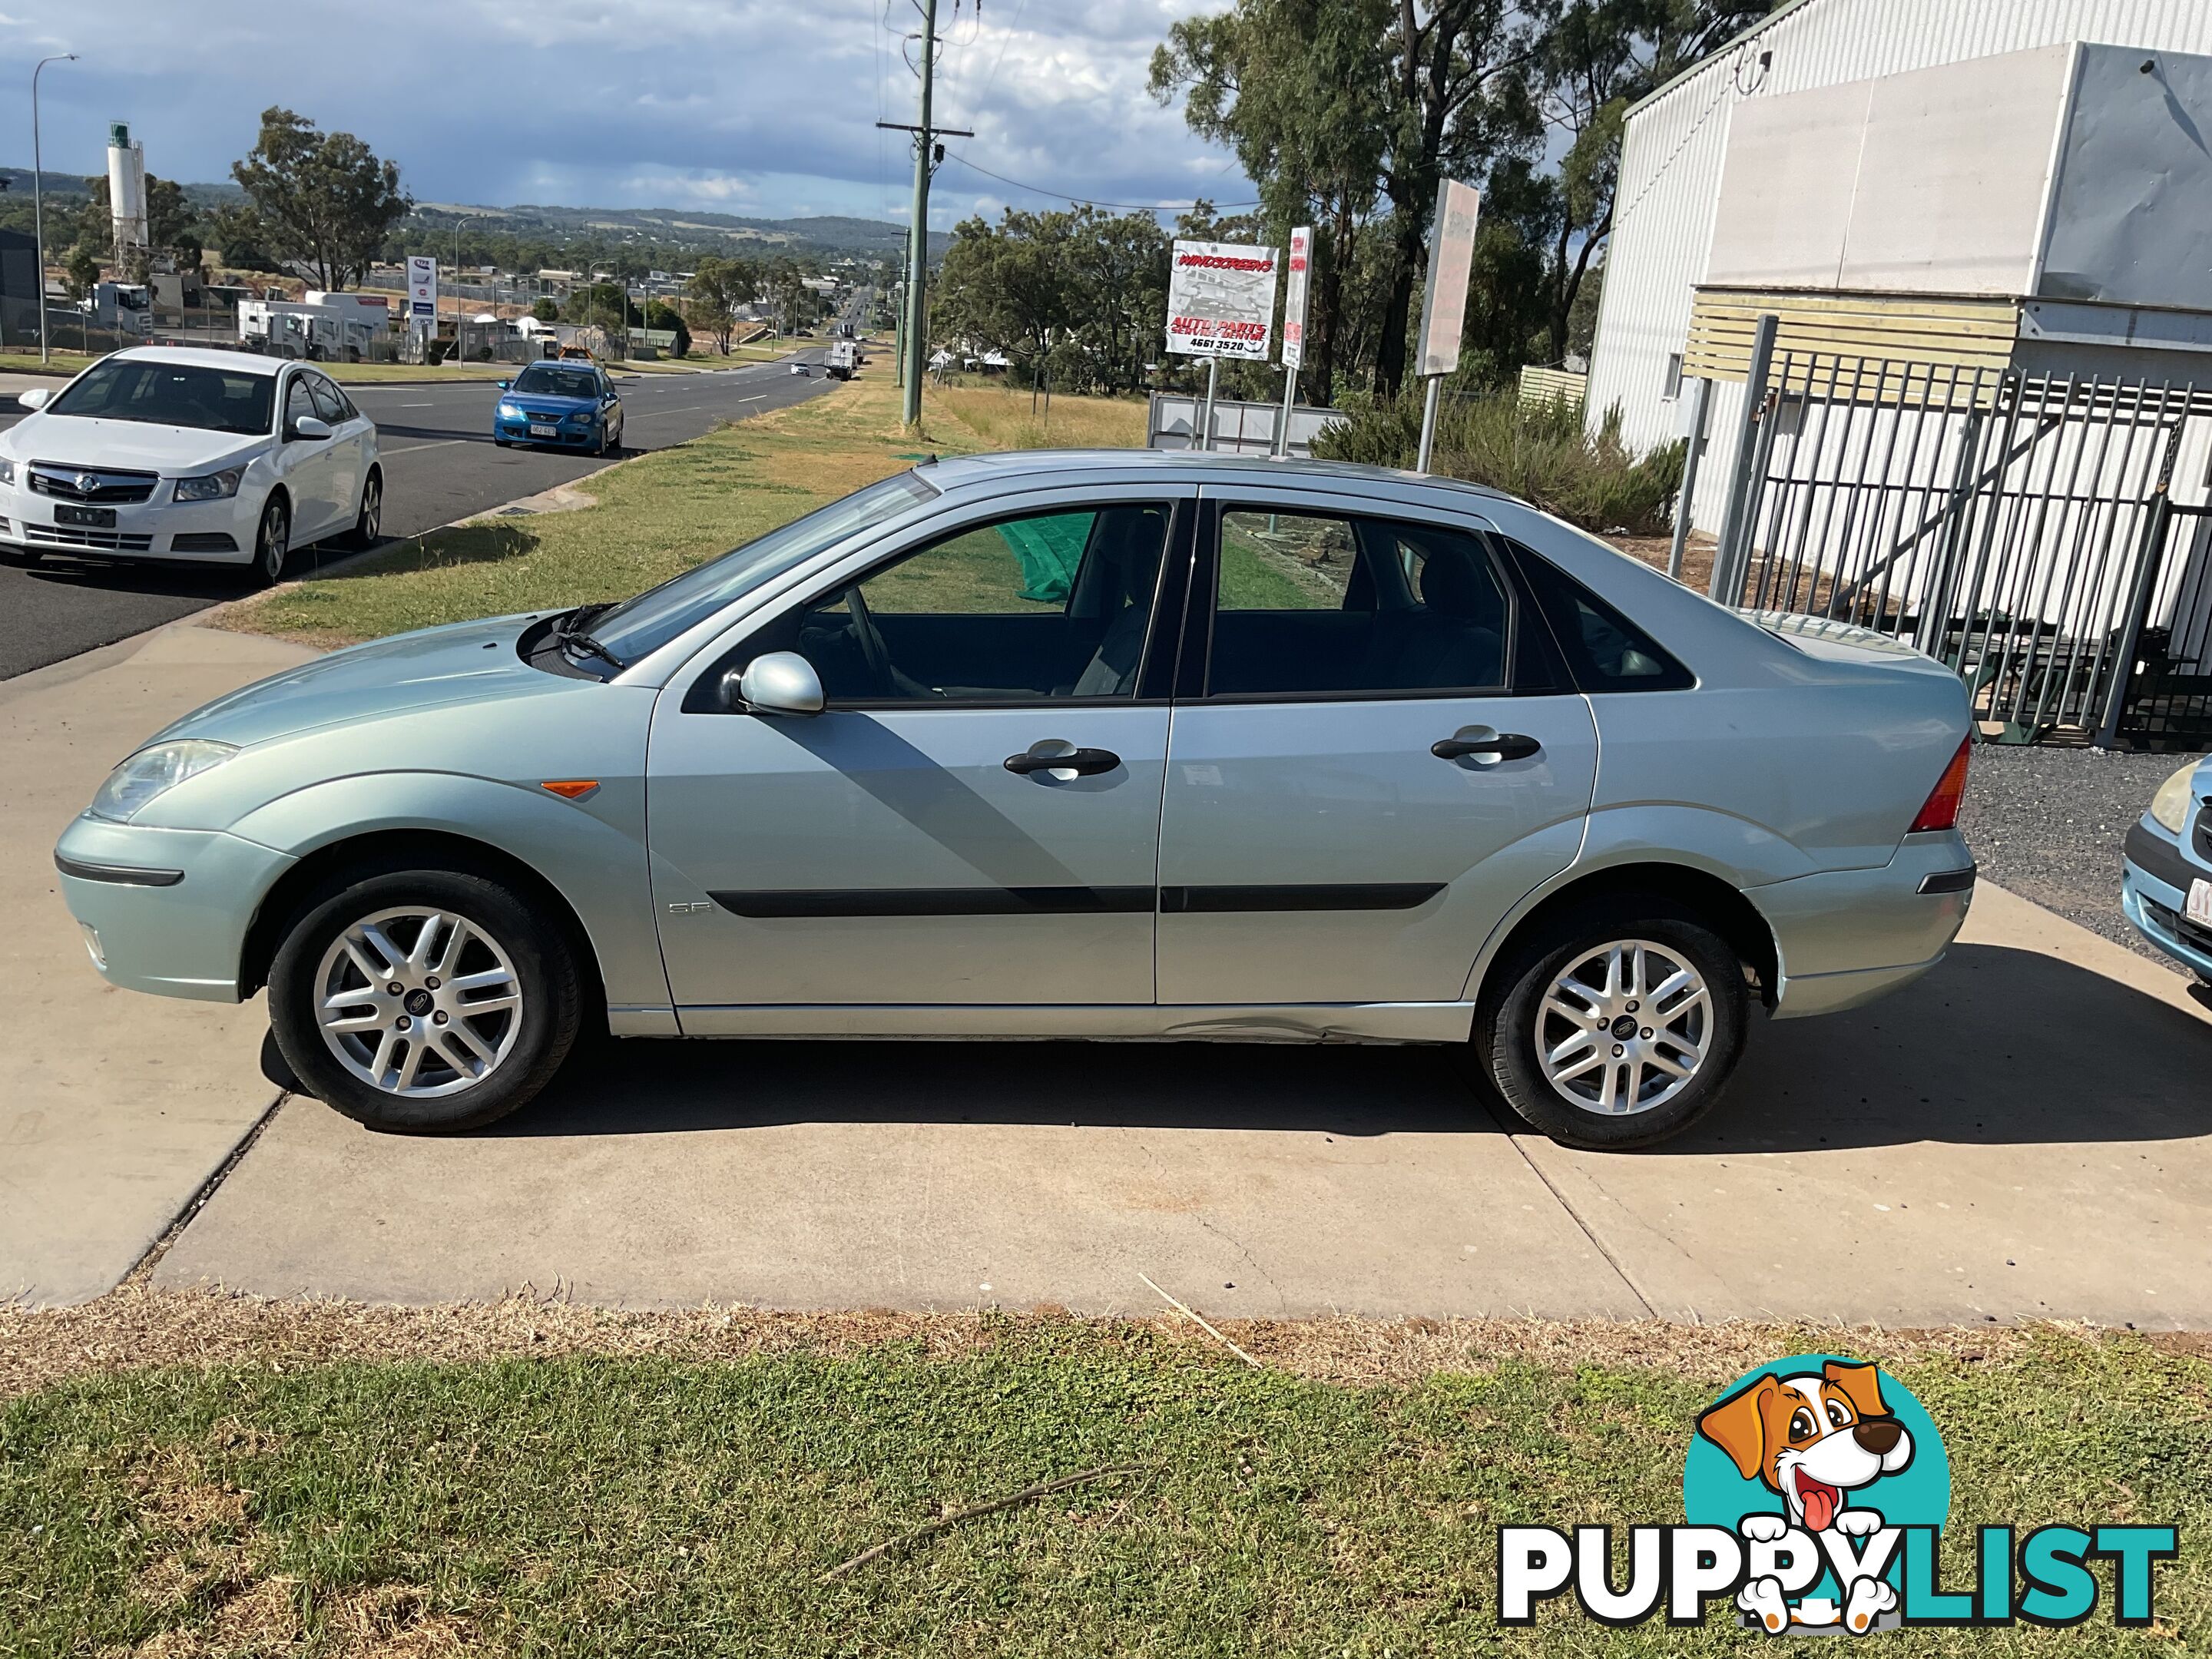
pixel 1049 550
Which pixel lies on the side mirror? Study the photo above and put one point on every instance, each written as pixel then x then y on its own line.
pixel 35 397
pixel 503 384
pixel 311 427
pixel 781 683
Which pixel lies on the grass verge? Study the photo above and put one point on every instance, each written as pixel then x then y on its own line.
pixel 683 1483
pixel 653 516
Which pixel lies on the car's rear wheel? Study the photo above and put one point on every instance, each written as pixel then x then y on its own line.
pixel 423 1001
pixel 369 524
pixel 1617 1025
pixel 273 542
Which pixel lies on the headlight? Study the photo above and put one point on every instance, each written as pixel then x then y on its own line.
pixel 509 412
pixel 215 487
pixel 149 772
pixel 582 417
pixel 2170 806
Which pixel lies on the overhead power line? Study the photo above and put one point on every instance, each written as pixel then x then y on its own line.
pixel 1090 201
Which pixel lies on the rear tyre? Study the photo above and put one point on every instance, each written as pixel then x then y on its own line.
pixel 423 1001
pixel 1617 1026
pixel 272 543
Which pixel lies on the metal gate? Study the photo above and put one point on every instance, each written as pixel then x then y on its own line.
pixel 2023 530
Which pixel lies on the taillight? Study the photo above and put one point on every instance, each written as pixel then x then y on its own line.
pixel 1942 811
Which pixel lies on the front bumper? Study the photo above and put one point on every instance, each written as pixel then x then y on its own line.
pixel 1846 937
pixel 211 532
pixel 571 434
pixel 165 911
pixel 2153 893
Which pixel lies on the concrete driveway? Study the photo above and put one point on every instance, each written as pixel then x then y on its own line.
pixel 2027 1134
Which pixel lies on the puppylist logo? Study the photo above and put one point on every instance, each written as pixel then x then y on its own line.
pixel 1813 1493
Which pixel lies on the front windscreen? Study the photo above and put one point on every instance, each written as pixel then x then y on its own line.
pixel 557 382
pixel 638 627
pixel 170 394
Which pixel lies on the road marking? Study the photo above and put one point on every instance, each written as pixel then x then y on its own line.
pixel 692 409
pixel 418 405
pixel 756 398
pixel 409 449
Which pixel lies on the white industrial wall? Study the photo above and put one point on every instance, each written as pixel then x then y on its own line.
pixel 1676 140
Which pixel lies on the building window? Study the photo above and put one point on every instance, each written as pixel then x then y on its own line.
pixel 1674 384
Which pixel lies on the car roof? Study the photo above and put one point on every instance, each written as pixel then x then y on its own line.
pixel 1002 470
pixel 239 362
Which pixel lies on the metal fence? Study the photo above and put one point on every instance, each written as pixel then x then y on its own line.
pixel 2031 532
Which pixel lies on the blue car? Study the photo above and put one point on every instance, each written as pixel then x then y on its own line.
pixel 566 405
pixel 2166 890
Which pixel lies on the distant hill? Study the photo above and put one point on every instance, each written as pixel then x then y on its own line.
pixel 686 227
pixel 691 228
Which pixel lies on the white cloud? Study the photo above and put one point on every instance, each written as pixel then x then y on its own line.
pixel 757 105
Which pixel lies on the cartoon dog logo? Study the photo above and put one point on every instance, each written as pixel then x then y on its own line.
pixel 1815 1440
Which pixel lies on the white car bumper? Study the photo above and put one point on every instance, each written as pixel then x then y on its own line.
pixel 213 532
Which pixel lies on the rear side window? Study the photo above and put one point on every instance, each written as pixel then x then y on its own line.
pixel 1604 650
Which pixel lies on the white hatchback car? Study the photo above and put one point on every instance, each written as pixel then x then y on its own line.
pixel 211 456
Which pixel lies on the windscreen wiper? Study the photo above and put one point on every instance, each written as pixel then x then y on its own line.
pixel 569 631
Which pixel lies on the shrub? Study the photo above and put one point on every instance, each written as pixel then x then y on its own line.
pixel 1540 453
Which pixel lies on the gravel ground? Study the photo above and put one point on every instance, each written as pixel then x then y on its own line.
pixel 2048 822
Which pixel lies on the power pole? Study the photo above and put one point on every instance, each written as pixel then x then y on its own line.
pixel 926 152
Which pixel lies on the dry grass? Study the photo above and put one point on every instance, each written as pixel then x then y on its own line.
pixel 1002 418
pixel 137 1328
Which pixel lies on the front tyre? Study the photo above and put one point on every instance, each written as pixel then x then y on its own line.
pixel 423 1001
pixel 1618 1025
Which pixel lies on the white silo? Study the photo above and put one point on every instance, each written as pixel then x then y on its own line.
pixel 126 190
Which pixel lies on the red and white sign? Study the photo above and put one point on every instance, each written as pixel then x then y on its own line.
pixel 1294 298
pixel 1451 261
pixel 1221 300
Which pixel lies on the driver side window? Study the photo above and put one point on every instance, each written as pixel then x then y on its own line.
pixel 1041 608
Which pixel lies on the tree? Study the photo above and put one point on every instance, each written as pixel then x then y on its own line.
pixel 659 314
pixel 322 199
pixel 238 236
pixel 81 270
pixel 545 308
pixel 720 289
pixel 1296 89
pixel 1596 57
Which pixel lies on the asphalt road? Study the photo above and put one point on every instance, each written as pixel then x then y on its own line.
pixel 440 465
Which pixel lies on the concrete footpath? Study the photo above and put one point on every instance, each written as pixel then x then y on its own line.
pixel 2027 1134
pixel 115 1107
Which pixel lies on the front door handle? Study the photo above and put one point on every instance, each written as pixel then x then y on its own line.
pixel 1084 762
pixel 1505 746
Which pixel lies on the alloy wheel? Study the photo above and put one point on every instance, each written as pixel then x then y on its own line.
pixel 1624 1028
pixel 418 1002
pixel 372 512
pixel 276 540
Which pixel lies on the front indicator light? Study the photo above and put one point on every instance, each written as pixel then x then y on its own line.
pixel 131 786
pixel 2169 808
pixel 571 788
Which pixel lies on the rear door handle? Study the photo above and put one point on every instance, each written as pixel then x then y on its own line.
pixel 1084 762
pixel 1506 745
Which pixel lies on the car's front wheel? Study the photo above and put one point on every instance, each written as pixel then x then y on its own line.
pixel 423 1001
pixel 1617 1025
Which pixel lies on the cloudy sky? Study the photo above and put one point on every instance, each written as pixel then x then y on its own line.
pixel 752 107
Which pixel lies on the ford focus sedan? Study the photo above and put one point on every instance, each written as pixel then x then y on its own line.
pixel 2165 887
pixel 1086 744
pixel 569 405
pixel 190 455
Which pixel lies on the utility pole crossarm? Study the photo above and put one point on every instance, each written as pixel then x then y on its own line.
pixel 939 132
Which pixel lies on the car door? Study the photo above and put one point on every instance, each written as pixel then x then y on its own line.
pixel 1375 755
pixel 610 410
pixel 306 466
pixel 349 447
pixel 913 844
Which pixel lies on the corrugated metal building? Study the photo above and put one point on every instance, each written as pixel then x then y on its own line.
pixel 1866 216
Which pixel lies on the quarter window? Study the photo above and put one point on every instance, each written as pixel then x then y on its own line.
pixel 1320 606
pixel 1605 651
pixel 1041 608
pixel 328 404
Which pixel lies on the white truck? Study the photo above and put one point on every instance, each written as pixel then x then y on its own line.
pixel 844 359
